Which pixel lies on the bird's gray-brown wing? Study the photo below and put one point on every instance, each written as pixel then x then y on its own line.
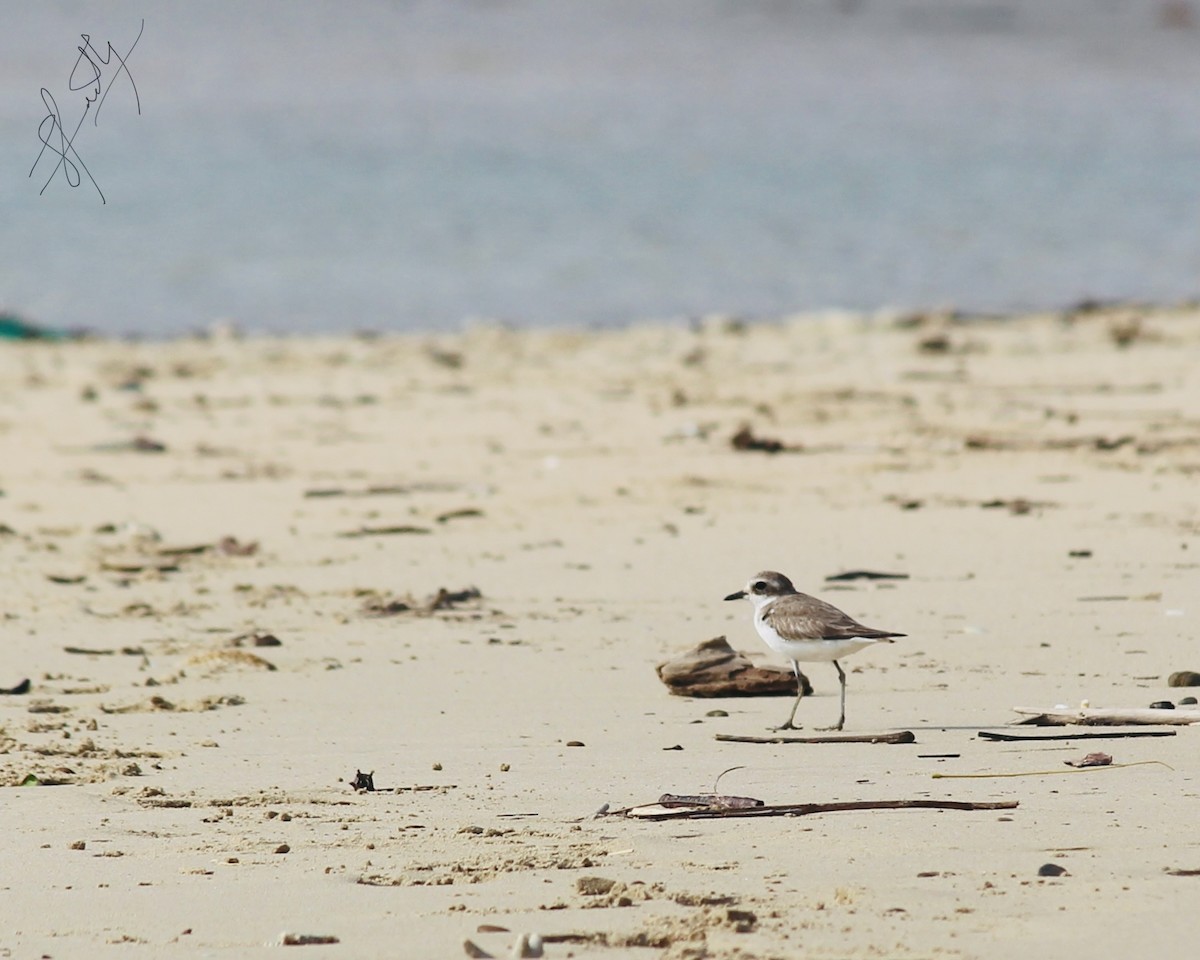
pixel 797 616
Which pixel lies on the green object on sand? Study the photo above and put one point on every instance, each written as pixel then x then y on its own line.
pixel 13 327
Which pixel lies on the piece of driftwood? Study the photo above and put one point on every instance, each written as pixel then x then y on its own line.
pixel 714 669
pixel 1115 734
pixel 1109 716
pixel 715 800
pixel 384 531
pixel 382 490
pixel 656 812
pixel 127 651
pixel 139 564
pixel 1091 760
pixel 306 939
pixel 985 442
pixel 898 736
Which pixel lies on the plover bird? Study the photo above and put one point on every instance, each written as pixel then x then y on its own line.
pixel 804 628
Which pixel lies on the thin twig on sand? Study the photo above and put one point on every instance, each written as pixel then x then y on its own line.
pixel 654 812
pixel 899 736
pixel 1046 773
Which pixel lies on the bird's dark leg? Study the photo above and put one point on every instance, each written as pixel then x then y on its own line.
pixel 790 725
pixel 841 716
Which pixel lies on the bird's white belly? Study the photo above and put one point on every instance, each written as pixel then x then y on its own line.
pixel 810 651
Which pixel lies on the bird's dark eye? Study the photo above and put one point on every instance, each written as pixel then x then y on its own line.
pixel 759 587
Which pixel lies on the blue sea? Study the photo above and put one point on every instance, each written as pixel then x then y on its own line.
pixel 422 164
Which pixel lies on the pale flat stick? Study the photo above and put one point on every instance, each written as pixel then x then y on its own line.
pixel 1110 716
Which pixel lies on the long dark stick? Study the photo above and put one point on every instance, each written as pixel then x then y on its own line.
pixel 803 809
pixel 900 736
pixel 988 735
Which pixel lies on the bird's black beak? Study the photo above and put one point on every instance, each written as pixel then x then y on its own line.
pixel 737 596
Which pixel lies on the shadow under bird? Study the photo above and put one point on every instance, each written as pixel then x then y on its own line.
pixel 803 628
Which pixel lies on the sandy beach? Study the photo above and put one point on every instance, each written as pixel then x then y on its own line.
pixel 239 571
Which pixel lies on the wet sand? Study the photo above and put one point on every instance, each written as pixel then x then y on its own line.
pixel 474 549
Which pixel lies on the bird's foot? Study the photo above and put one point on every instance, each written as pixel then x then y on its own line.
pixel 836 728
pixel 786 726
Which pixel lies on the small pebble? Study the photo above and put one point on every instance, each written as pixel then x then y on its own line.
pixel 504 768
pixel 283 848
pixel 575 743
pixel 1184 678
pixel 437 766
pixel 1051 870
pixel 1162 705
pixel 717 713
pixel 1187 701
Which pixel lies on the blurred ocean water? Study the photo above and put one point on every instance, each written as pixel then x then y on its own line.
pixel 417 163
